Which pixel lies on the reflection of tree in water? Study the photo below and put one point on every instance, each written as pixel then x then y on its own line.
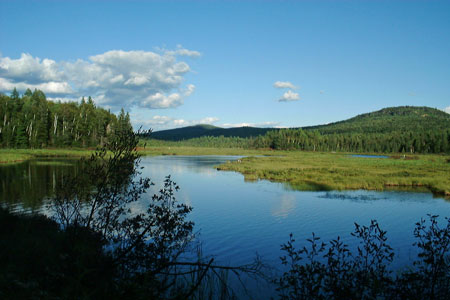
pixel 30 182
pixel 180 164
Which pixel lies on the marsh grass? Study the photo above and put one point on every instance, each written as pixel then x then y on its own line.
pixel 339 171
pixel 177 150
pixel 8 156
pixel 301 170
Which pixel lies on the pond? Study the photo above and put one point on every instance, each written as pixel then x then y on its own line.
pixel 236 219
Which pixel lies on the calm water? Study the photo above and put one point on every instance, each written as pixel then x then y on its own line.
pixel 236 219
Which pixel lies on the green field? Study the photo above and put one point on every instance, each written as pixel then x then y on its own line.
pixel 302 170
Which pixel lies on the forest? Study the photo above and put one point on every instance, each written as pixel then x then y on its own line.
pixel 429 141
pixel 404 129
pixel 32 121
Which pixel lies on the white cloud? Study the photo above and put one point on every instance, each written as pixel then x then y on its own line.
pixel 289 96
pixel 50 87
pixel 447 109
pixel 183 52
pixel 159 100
pixel 189 90
pixel 164 122
pixel 114 79
pixel 28 69
pixel 284 85
pixel 262 124
pixel 63 99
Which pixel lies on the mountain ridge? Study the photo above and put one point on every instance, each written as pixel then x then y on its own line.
pixel 386 120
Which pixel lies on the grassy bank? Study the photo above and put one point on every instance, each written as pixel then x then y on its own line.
pixel 166 150
pixel 301 170
pixel 339 171
pixel 8 156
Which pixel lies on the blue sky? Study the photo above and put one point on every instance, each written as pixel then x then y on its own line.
pixel 260 63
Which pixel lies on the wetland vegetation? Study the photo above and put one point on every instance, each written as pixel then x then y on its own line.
pixel 130 255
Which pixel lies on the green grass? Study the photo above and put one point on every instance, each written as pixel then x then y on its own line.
pixel 301 170
pixel 8 156
pixel 177 150
pixel 339 171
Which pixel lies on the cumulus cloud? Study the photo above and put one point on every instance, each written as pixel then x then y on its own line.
pixel 447 109
pixel 289 96
pixel 51 87
pixel 29 70
pixel 284 85
pixel 164 122
pixel 114 79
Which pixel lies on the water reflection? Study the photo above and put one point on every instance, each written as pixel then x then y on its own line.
pixel 27 184
pixel 235 218
pixel 285 206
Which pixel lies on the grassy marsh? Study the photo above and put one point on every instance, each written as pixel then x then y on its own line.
pixel 340 171
pixel 8 156
pixel 300 169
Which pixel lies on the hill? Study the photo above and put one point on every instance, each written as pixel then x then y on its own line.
pixel 386 120
pixel 196 131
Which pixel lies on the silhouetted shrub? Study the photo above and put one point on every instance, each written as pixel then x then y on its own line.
pixel 333 271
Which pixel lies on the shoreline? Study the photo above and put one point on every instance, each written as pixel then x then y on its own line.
pixel 302 170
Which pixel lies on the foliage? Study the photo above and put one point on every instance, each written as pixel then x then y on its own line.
pixel 31 121
pixel 197 131
pixel 333 271
pixel 404 129
pixel 41 261
pixel 430 141
pixel 201 142
pixel 391 119
pixel 149 240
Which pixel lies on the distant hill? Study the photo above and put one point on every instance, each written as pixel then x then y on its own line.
pixel 386 120
pixel 190 132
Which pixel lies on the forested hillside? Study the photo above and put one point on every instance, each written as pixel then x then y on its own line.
pixel 396 130
pixel 202 130
pixel 391 119
pixel 31 121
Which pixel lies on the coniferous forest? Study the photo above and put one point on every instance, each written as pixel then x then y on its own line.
pixel 405 129
pixel 31 121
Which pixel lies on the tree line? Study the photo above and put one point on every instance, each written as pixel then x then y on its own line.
pixel 32 121
pixel 429 141
pixel 408 129
pixel 426 141
pixel 100 245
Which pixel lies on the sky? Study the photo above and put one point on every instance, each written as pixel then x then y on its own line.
pixel 230 63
